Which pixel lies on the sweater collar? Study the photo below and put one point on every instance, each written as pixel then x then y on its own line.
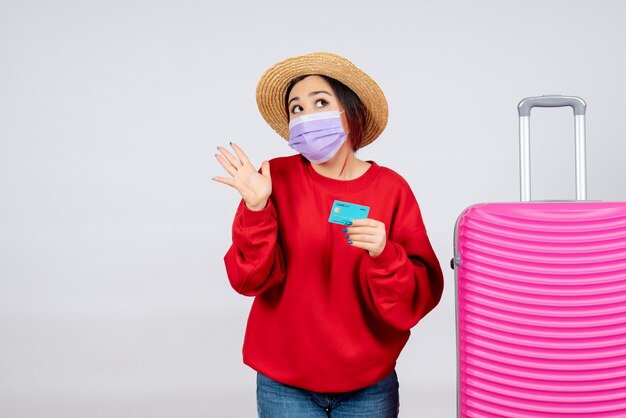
pixel 353 184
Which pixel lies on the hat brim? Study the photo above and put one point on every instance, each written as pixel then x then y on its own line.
pixel 272 88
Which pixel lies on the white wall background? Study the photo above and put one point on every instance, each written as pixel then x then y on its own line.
pixel 113 296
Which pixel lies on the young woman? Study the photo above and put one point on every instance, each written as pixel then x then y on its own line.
pixel 334 302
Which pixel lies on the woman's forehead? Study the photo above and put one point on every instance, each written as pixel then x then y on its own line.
pixel 309 84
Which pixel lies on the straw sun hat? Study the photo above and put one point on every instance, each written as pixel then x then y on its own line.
pixel 272 88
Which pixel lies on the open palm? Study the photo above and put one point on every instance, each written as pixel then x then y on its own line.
pixel 254 187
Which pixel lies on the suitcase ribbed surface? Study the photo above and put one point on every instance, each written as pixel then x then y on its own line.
pixel 541 310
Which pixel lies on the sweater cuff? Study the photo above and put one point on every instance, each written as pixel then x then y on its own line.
pixel 252 217
pixel 388 256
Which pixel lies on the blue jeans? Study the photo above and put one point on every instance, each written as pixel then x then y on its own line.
pixel 275 400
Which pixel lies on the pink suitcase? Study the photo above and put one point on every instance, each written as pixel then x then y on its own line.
pixel 541 299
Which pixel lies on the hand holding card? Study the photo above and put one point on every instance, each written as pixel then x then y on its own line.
pixel 368 234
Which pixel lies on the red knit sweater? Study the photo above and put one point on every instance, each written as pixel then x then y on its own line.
pixel 327 316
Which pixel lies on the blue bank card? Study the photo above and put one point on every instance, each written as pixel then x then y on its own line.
pixel 343 213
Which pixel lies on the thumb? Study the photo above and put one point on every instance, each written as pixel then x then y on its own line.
pixel 265 168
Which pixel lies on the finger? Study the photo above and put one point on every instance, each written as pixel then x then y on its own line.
pixel 231 159
pixel 225 180
pixel 362 238
pixel 227 166
pixel 369 230
pixel 242 155
pixel 365 222
pixel 362 245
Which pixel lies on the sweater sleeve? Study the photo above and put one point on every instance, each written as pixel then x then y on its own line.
pixel 255 260
pixel 405 280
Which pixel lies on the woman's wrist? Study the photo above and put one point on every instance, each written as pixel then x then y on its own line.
pixel 258 206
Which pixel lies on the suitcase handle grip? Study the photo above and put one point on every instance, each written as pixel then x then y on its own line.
pixel 575 103
pixel 580 108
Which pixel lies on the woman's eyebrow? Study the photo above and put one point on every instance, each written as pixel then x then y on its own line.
pixel 313 93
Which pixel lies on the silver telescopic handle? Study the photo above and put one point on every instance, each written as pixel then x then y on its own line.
pixel 579 106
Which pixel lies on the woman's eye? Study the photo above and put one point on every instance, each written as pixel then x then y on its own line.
pixel 321 103
pixel 296 109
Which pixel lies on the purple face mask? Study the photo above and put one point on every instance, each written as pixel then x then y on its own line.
pixel 317 136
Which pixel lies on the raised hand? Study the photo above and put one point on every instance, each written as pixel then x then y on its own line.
pixel 254 187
